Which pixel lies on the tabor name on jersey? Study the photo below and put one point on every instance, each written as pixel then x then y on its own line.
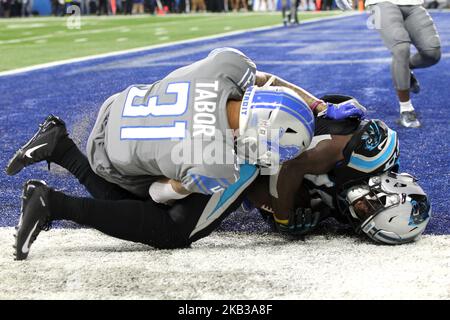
pixel 205 105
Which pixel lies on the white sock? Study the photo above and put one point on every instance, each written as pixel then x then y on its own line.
pixel 406 106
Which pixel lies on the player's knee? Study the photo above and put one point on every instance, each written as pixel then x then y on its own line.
pixel 401 51
pixel 432 56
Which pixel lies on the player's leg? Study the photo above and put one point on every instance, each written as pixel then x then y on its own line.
pixel 294 11
pixel 283 12
pixel 161 226
pixel 134 220
pixel 424 36
pixel 396 38
pixel 51 143
pixel 67 155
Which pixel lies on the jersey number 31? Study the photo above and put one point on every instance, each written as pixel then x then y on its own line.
pixel 138 107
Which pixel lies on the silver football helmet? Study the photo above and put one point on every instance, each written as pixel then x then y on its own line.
pixel 390 208
pixel 275 125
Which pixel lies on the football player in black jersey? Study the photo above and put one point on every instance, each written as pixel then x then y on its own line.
pixel 348 172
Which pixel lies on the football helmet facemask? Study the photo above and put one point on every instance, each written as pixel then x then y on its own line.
pixel 390 208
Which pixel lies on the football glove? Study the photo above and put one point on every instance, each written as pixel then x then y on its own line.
pixel 345 5
pixel 299 223
pixel 346 109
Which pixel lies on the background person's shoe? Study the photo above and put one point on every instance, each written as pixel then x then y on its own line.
pixel 409 119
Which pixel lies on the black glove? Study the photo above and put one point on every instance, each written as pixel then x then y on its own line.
pixel 300 222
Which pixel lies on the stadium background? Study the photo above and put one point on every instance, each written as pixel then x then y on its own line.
pixel 333 55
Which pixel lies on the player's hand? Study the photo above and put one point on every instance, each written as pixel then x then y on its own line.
pixel 347 109
pixel 345 5
pixel 300 222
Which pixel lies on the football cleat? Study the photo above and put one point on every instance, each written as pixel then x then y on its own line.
pixel 415 85
pixel 39 147
pixel 246 205
pixel 409 119
pixel 34 217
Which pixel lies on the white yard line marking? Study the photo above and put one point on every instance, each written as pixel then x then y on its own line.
pixel 121 39
pixel 163 45
pixel 160 31
pixel 97 31
pixel 26 26
pixel 46 36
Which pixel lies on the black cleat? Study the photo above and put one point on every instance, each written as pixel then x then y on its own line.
pixel 34 217
pixel 39 147
pixel 415 85
pixel 408 119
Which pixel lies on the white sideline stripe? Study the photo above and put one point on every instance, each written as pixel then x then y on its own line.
pixel 163 45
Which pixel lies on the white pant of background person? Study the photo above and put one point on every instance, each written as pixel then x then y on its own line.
pixel 27 8
pixel 400 24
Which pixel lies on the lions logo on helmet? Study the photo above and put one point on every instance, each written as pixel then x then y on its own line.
pixel 390 208
pixel 275 126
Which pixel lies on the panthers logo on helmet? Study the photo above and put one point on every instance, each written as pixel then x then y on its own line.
pixel 420 210
pixel 375 148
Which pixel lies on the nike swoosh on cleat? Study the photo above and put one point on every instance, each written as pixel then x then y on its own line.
pixel 29 151
pixel 26 247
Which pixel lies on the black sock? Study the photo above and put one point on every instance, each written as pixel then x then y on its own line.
pixel 134 220
pixel 68 156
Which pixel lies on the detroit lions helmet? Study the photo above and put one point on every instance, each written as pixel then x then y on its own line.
pixel 275 125
pixel 390 208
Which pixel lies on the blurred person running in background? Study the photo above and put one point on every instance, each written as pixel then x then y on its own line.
pixel 292 16
pixel 400 24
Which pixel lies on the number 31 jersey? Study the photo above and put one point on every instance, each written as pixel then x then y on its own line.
pixel 176 127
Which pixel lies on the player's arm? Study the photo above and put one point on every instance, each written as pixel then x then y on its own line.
pixel 195 181
pixel 318 160
pixel 319 107
pixel 167 190
pixel 209 179
pixel 267 79
pixel 237 67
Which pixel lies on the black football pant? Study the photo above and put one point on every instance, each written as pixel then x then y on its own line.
pixel 121 214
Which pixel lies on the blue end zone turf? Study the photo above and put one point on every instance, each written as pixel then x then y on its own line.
pixel 336 56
